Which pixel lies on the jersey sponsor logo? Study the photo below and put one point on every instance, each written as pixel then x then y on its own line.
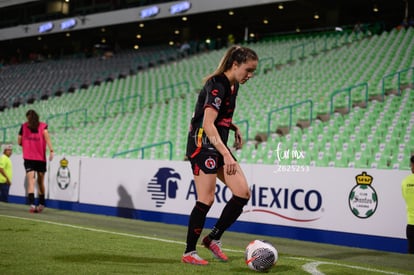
pixel 210 163
pixel 214 92
pixel 163 185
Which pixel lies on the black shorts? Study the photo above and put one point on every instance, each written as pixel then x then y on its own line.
pixel 208 162
pixel 34 165
pixel 410 238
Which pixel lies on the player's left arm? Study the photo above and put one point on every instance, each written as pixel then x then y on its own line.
pixel 237 136
pixel 49 144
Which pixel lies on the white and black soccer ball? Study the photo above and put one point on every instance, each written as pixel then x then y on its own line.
pixel 260 255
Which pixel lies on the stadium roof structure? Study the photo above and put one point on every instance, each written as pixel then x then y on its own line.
pixel 253 18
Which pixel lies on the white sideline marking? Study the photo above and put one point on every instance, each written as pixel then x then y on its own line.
pixel 311 267
pixel 106 231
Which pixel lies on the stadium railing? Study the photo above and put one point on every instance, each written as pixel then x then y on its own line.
pixel 123 102
pixel 290 108
pixel 387 86
pixel 348 91
pixel 142 149
pixel 66 115
pixel 173 88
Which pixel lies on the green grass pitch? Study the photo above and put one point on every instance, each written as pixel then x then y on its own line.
pixel 65 242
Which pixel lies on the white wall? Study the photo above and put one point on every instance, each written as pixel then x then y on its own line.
pixel 288 198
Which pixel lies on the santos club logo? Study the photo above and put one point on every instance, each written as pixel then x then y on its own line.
pixel 363 199
pixel 63 174
pixel 163 185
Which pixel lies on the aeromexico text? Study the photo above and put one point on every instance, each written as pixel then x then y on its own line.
pixel 270 197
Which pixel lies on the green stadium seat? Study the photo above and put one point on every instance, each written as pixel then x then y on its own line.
pixel 364 130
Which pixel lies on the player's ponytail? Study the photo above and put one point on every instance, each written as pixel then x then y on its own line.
pixel 32 119
pixel 236 54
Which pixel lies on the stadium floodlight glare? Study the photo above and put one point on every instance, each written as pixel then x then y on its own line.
pixel 46 27
pixel 149 12
pixel 68 24
pixel 339 29
pixel 180 7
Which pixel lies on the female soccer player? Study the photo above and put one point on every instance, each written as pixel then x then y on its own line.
pixel 33 137
pixel 209 155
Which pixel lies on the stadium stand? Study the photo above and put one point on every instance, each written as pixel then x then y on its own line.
pixel 340 99
pixel 40 80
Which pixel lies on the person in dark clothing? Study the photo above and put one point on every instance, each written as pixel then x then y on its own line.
pixel 209 154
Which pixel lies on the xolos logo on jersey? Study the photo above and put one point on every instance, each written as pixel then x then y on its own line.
pixel 163 185
pixel 210 163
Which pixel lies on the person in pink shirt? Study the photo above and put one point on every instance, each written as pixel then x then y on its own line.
pixel 34 137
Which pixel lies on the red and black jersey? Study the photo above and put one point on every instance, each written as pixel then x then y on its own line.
pixel 218 94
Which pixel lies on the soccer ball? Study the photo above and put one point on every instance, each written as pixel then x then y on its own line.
pixel 260 255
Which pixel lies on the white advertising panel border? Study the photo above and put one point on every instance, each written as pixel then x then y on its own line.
pixel 352 201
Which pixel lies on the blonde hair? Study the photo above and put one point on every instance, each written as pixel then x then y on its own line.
pixel 236 54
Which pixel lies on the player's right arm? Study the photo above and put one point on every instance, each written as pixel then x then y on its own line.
pixel 19 137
